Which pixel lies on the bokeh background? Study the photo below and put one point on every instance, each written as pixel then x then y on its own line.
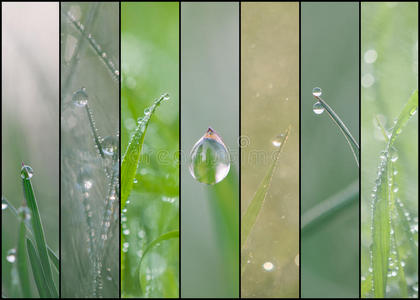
pixel 269 104
pixel 389 63
pixel 30 129
pixel 210 97
pixel 88 271
pixel 330 60
pixel 150 68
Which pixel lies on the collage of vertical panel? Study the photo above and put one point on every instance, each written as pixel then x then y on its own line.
pixel 389 171
pixel 90 149
pixel 30 150
pixel 209 169
pixel 149 142
pixel 329 149
pixel 270 150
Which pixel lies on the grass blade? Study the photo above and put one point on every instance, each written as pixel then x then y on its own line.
pixel 54 259
pixel 251 214
pixel 383 201
pixel 22 261
pixel 38 234
pixel 131 157
pixel 164 237
pixel 40 280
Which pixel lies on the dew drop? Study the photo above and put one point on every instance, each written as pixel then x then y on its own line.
pixel 80 97
pixel 413 111
pixel 26 172
pixel 109 145
pixel 11 255
pixel 278 140
pixel 209 159
pixel 84 180
pixel 394 157
pixel 147 111
pixel 370 56
pixel 268 266
pixel 316 91
pixel 3 204
pixel 165 97
pixel 135 180
pixel 318 108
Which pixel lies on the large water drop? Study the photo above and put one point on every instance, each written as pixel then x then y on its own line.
pixel 209 159
pixel 109 145
pixel 80 97
pixel 26 172
pixel 316 91
pixel 318 108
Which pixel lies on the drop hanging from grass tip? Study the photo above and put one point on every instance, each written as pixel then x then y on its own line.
pixel 26 172
pixel 209 159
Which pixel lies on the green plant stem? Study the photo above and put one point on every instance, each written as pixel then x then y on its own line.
pixel 354 146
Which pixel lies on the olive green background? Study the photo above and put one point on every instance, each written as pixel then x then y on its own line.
pixel 269 104
pixel 330 60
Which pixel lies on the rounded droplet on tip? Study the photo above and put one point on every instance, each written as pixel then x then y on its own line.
pixel 80 97
pixel 316 91
pixel 165 97
pixel 209 159
pixel 110 145
pixel 26 172
pixel 318 108
pixel 278 140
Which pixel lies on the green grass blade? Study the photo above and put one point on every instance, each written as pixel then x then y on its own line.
pixel 131 157
pixel 54 259
pixel 40 280
pixel 383 200
pixel 354 146
pixel 330 206
pixel 251 214
pixel 22 261
pixel 39 234
pixel 164 237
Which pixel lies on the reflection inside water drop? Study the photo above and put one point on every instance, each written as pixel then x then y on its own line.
pixel 80 97
pixel 316 91
pixel 26 172
pixel 209 159
pixel 318 108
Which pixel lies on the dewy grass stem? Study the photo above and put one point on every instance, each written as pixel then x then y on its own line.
pixel 354 146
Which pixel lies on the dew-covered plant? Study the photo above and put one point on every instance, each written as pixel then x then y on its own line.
pixel 31 251
pixel 90 149
pixel 394 230
pixel 150 157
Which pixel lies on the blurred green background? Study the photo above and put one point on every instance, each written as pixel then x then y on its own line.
pixel 150 67
pixel 30 129
pixel 330 60
pixel 210 97
pixel 389 76
pixel 270 103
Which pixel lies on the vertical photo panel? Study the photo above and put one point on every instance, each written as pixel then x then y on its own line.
pixel 30 150
pixel 389 170
pixel 150 150
pixel 270 150
pixel 89 40
pixel 209 150
pixel 330 149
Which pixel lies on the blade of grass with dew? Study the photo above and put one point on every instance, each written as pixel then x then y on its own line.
pixel 382 202
pixel 131 157
pixel 164 237
pixel 253 210
pixel 54 258
pixel 39 234
pixel 40 280
pixel 22 261
pixel 354 146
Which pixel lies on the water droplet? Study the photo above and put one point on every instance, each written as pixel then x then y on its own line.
pixel 370 56
pixel 268 266
pixel 368 80
pixel 147 111
pixel 80 97
pixel 24 212
pixel 318 108
pixel 84 180
pixel 26 172
pixel 166 97
pixel 126 231
pixel 11 255
pixel 278 140
pixel 395 188
pixel 297 260
pixel 394 156
pixel 109 145
pixel 3 204
pixel 209 159
pixel 135 180
pixel 316 91
pixel 413 111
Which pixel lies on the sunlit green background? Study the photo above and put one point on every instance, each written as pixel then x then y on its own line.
pixel 210 97
pixel 330 60
pixel 30 129
pixel 389 76
pixel 150 67
pixel 270 103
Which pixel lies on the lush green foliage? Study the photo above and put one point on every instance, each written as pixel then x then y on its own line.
pixel 149 170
